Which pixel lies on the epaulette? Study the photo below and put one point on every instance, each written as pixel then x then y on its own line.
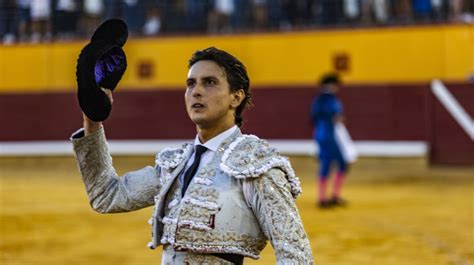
pixel 249 157
pixel 169 158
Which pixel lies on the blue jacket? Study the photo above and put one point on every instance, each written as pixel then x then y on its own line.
pixel 323 110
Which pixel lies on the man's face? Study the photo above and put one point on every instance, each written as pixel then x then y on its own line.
pixel 209 101
pixel 335 87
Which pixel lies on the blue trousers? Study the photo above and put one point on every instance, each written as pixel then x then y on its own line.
pixel 329 152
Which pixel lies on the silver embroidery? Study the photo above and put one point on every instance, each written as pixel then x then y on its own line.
pixel 173 203
pixel 203 193
pixel 220 242
pixel 170 158
pixel 280 219
pixel 204 204
pixel 196 214
pixel 250 157
pixel 203 181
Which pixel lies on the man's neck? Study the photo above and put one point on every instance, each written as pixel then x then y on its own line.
pixel 206 134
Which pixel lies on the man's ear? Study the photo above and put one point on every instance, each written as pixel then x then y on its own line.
pixel 237 98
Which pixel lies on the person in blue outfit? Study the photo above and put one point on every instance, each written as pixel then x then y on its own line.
pixel 326 112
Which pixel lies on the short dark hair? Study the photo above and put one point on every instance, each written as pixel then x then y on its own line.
pixel 330 78
pixel 235 71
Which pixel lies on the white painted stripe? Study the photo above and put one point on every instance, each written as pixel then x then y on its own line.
pixel 392 148
pixel 294 147
pixel 453 107
pixel 364 148
pixel 145 147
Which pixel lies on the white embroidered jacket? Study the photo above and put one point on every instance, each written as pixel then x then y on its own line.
pixel 243 197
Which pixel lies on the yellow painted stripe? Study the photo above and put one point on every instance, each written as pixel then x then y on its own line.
pixel 406 54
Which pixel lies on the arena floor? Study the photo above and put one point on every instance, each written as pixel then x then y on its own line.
pixel 400 212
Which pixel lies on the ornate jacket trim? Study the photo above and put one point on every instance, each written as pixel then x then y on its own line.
pixel 218 242
pixel 170 158
pixel 187 224
pixel 169 221
pixel 194 225
pixel 204 204
pixel 216 249
pixel 249 157
pixel 173 203
pixel 203 181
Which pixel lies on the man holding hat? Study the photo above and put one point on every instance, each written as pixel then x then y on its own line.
pixel 216 200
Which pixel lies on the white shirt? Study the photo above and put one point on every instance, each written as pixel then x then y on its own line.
pixel 212 145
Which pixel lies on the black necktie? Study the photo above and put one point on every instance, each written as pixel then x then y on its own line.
pixel 188 175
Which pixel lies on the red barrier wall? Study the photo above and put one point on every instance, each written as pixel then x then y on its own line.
pixel 374 112
pixel 449 143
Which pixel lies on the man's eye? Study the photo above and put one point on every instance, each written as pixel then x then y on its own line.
pixel 211 82
pixel 190 83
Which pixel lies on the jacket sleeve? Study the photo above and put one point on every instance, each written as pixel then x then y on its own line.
pixel 275 208
pixel 107 192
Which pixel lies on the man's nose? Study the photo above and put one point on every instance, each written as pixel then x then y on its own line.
pixel 197 91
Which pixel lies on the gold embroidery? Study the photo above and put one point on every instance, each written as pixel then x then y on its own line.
pixel 220 242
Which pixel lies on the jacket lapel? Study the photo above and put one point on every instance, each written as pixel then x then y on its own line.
pixel 161 197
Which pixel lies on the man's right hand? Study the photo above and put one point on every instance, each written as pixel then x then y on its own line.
pixel 91 126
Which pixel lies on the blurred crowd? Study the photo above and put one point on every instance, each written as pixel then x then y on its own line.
pixel 45 20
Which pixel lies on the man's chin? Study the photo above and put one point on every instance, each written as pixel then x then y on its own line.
pixel 199 121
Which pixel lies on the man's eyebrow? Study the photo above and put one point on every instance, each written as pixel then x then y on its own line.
pixel 209 77
pixel 203 77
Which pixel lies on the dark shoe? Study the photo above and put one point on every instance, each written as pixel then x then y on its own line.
pixel 324 204
pixel 335 201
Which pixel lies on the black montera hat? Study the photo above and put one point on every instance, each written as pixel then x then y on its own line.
pixel 113 30
pixel 101 63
